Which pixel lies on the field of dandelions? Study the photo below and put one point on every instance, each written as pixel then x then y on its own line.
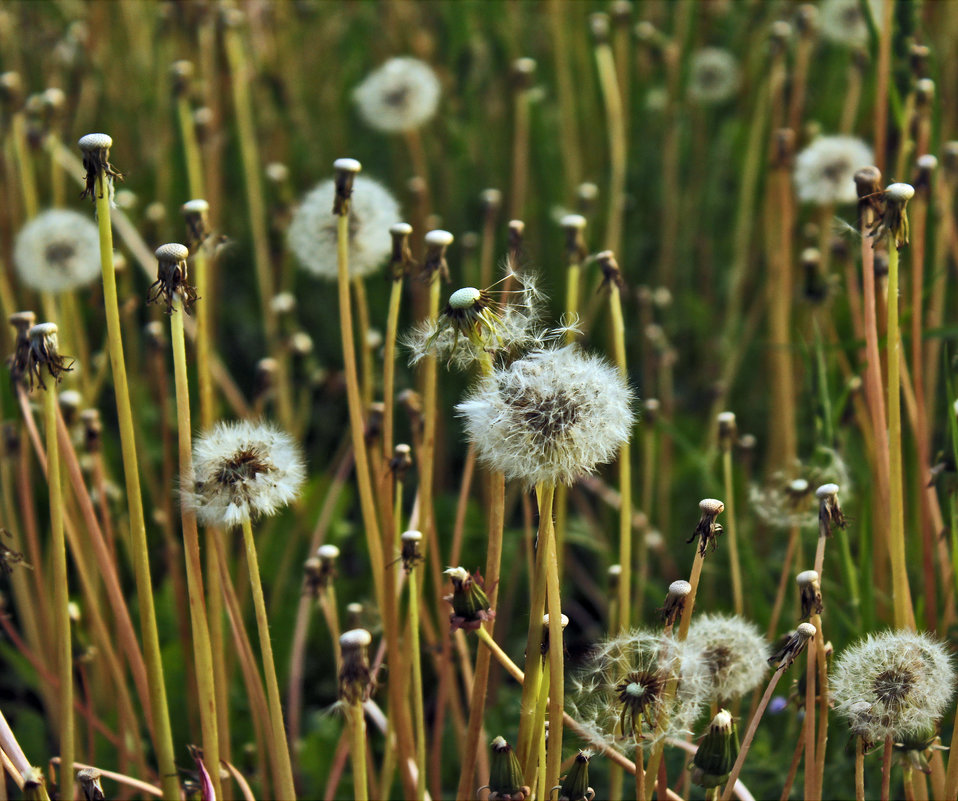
pixel 496 400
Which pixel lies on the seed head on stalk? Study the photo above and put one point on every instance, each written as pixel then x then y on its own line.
pixel 734 652
pixel 172 277
pixel 57 250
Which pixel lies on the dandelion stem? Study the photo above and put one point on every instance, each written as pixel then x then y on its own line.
pixel 612 100
pixel 904 616
pixel 163 735
pixel 202 647
pixel 556 662
pixel 694 577
pixel 528 737
pixel 886 767
pixel 61 591
pixel 859 769
pixel 750 734
pixel 278 741
pixel 737 598
pixel 357 748
pixel 418 710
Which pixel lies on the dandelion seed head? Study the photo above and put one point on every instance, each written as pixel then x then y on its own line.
pixel 312 231
pixel 621 695
pixel 895 682
pixel 551 416
pixel 784 502
pixel 734 652
pixel 57 250
pixel 714 76
pixel 401 95
pixel 825 170
pixel 241 471
pixel 842 21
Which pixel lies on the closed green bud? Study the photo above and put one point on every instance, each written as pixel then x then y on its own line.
pixel 717 752
pixel 505 775
pixel 470 604
pixel 575 784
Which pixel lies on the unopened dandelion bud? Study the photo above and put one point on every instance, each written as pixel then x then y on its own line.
pixel 810 593
pixel 806 20
pixel 409 549
pixel 434 263
pixel 574 227
pixel 70 401
pixel 45 352
pixel 89 781
pixel 925 168
pixel 611 274
pixel 915 748
pixel 575 784
pixel 894 221
pixel 523 70
pixel 354 674
pixel 924 96
pixel 346 170
pixel 517 230
pixel 196 214
pixel 614 574
pixel 675 602
pixel 727 430
pixel 355 612
pixel 505 775
pixel 599 26
pixel 172 277
pixel 96 160
pixel 181 76
pixel 830 514
pixel 470 604
pixel 401 461
pixel 587 194
pixel 793 646
pixel 707 530
pixel 717 752
pixel 401 261
pixel 92 429
pixel 563 622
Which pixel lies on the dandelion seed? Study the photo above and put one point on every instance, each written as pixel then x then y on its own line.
pixel 825 170
pixel 714 76
pixel 400 96
pixel 312 231
pixel 623 697
pixel 243 470
pixel 57 250
pixel 734 652
pixel 895 682
pixel 550 417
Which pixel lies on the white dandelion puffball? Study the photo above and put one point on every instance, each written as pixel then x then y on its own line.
pixel 243 470
pixel 399 96
pixel 713 76
pixel 843 22
pixel 57 250
pixel 825 170
pixel 734 652
pixel 312 231
pixel 895 682
pixel 549 417
pixel 623 695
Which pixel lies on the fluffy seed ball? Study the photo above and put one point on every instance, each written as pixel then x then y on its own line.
pixel 57 250
pixel 312 231
pixel 399 96
pixel 623 697
pixel 549 417
pixel 713 76
pixel 734 652
pixel 243 470
pixel 844 23
pixel 896 682
pixel 825 170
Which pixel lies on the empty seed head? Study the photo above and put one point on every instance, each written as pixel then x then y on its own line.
pixel 44 352
pixel 409 549
pixel 172 277
pixel 675 602
pixel 810 593
pixel 793 646
pixel 354 673
pixel 96 161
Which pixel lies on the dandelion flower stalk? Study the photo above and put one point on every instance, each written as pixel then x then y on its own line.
pixel 172 258
pixel 353 680
pixel 411 558
pixel 523 70
pixel 727 436
pixel 612 101
pixel 612 279
pixel 895 225
pixel 43 347
pixel 100 175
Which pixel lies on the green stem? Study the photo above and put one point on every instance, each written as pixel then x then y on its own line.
pixel 202 647
pixel 163 735
pixel 901 592
pixel 731 529
pixel 278 744
pixel 418 709
pixel 61 592
pixel 625 469
pixel 357 747
pixel 617 145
